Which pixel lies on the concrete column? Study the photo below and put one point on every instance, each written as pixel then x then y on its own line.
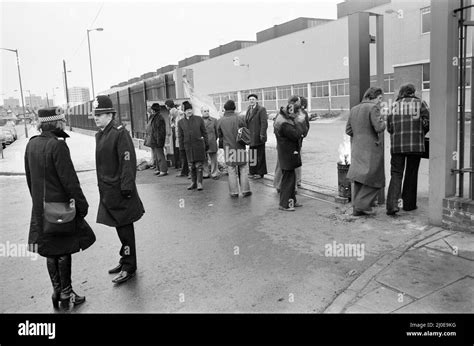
pixel 239 101
pixel 443 96
pixel 359 56
pixel 309 97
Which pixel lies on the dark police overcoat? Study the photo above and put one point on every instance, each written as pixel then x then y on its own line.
pixel 49 169
pixel 116 164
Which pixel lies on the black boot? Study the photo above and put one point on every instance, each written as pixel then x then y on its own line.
pixel 67 296
pixel 193 179
pixel 53 270
pixel 199 178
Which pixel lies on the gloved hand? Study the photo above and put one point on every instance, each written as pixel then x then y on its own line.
pixel 126 193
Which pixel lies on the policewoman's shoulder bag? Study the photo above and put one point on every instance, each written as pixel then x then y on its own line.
pixel 58 217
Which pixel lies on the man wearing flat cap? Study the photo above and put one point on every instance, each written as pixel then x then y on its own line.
pixel 119 205
pixel 257 123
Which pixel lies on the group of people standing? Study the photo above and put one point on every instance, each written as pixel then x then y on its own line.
pixel 198 139
pixel 57 195
pixel 407 122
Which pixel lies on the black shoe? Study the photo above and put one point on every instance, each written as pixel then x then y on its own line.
pixel 359 213
pixel 192 186
pixel 205 176
pixel 392 212
pixel 248 193
pixel 116 269
pixel 71 298
pixel 234 195
pixel 162 174
pixel 123 277
pixel 410 209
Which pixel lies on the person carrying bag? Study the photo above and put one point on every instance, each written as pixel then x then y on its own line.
pixel 57 227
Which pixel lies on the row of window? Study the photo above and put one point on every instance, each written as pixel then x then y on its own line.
pixel 318 90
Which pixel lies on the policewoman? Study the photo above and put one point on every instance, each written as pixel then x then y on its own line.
pixel 119 205
pixel 52 180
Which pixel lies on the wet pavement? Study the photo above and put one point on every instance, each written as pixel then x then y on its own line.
pixel 201 251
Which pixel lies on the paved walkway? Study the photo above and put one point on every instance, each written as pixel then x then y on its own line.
pixel 432 272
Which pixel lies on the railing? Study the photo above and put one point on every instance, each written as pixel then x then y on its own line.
pixel 465 152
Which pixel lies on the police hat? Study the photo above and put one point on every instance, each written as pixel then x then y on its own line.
pixel 102 104
pixel 50 114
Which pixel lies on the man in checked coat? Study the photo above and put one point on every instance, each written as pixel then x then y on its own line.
pixel 119 206
pixel 408 122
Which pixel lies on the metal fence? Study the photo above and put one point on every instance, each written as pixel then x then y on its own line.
pixel 130 103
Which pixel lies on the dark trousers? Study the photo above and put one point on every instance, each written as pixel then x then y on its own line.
pixel 128 252
pixel 287 188
pixel 59 269
pixel 176 159
pixel 260 168
pixel 160 160
pixel 403 167
pixel 184 162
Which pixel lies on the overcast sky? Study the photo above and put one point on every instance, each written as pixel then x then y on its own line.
pixel 138 37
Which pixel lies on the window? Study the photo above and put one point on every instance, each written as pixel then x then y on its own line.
pixel 426 76
pixel 284 92
pixel 232 96
pixel 300 90
pixel 425 20
pixel 320 89
pixel 340 87
pixel 217 100
pixel 257 92
pixel 269 94
pixel 388 82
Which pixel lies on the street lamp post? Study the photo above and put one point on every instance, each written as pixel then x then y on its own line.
pixel 67 93
pixel 21 87
pixel 90 57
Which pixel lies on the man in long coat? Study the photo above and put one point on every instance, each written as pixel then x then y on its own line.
pixel 157 140
pixel 257 123
pixel 367 167
pixel 192 136
pixel 211 129
pixel 119 206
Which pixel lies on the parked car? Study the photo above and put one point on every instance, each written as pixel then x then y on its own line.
pixel 9 138
pixel 3 139
pixel 11 127
pixel 314 116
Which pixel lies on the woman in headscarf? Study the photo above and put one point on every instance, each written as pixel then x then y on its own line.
pixel 364 126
